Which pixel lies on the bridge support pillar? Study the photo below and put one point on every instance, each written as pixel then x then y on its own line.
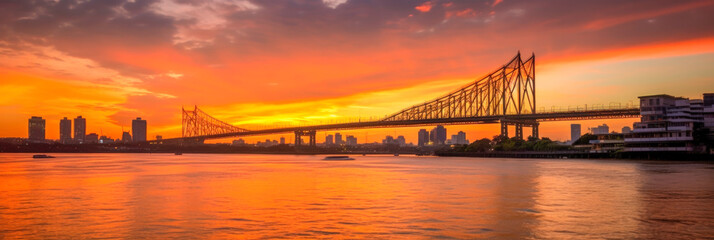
pixel 313 140
pixel 298 138
pixel 310 133
pixel 534 128
pixel 504 128
pixel 519 124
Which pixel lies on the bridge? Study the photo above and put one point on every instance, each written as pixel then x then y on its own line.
pixel 506 96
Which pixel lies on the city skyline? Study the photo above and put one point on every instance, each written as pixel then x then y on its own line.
pixel 112 76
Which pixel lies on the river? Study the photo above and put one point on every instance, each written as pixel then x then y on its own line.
pixel 406 197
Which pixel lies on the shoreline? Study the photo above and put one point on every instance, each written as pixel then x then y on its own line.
pixel 668 156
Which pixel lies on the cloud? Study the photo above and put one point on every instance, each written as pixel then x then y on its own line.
pixel 223 53
pixel 424 7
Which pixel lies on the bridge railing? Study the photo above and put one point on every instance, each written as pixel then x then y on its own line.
pixel 587 107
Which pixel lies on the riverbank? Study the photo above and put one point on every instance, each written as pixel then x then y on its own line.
pixel 585 155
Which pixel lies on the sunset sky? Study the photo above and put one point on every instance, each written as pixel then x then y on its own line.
pixel 257 64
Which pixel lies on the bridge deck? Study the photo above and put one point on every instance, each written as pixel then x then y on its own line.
pixel 551 116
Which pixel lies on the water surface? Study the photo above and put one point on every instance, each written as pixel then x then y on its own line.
pixel 285 196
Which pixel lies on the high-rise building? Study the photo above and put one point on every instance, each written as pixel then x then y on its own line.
pixel 65 130
pixel 338 138
pixel 282 140
pixel 80 129
pixel 438 135
pixel 36 128
pixel 423 137
pixel 459 138
pixel 328 140
pixel 138 130
pixel 125 137
pixel 575 132
pixel 351 140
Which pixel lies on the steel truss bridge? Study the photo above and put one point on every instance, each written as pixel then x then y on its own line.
pixel 506 95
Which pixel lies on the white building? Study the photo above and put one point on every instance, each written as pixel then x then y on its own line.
pixel 668 124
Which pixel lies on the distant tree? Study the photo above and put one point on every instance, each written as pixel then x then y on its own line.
pixel 482 145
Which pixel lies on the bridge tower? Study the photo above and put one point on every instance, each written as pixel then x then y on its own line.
pixel 506 93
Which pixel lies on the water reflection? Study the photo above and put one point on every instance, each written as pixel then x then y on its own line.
pixel 264 196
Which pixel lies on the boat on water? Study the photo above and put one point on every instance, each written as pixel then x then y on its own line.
pixel 42 156
pixel 338 158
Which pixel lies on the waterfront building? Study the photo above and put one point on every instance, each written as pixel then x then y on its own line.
pixel 159 137
pixel 138 130
pixel 602 129
pixel 80 129
pixel 607 142
pixel 669 124
pixel 459 138
pixel 423 137
pixel 239 142
pixel 351 140
pixel 575 132
pixel 65 135
pixel 282 140
pixel 401 141
pixel 388 140
pixel 125 137
pixel 626 129
pixel 91 138
pixel 438 135
pixel 328 140
pixel 708 115
pixel 36 128
pixel 105 139
pixel 338 139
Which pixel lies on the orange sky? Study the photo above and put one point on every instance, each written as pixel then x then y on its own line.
pixel 258 65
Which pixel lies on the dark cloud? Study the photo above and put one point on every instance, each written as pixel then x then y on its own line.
pixel 457 38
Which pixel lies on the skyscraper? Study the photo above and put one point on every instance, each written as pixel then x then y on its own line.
pixel 125 137
pixel 438 135
pixel 36 128
pixel 328 139
pixel 65 130
pixel 338 138
pixel 351 140
pixel 138 130
pixel 574 132
pixel 423 137
pixel 80 129
pixel 459 138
